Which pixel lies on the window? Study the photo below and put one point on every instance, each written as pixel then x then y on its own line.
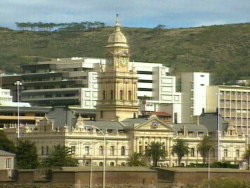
pixel 122 150
pixel 192 152
pixel 140 149
pixel 112 164
pixel 237 153
pixel 73 149
pixel 121 94
pixel 42 150
pixel 100 150
pixel 86 150
pixel 100 163
pixel 129 95
pixel 225 152
pixel 112 150
pixel 8 163
pixel 103 94
pixel 111 94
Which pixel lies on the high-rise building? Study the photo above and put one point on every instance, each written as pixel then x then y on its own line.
pixel 232 103
pixel 193 89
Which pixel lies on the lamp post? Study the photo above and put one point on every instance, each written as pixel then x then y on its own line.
pixel 218 126
pixel 104 157
pixel 18 84
pixel 208 166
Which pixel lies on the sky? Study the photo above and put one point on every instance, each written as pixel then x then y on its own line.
pixel 132 13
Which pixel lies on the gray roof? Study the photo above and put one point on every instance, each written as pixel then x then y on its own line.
pixel 5 153
pixel 62 116
pixel 210 120
pixel 115 125
pixel 189 127
pixel 130 122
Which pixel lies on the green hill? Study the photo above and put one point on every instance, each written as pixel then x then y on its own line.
pixel 222 50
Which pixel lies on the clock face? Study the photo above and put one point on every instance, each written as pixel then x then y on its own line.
pixel 155 124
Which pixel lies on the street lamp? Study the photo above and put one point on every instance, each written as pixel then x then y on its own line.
pixel 208 166
pixel 18 84
pixel 218 125
pixel 104 155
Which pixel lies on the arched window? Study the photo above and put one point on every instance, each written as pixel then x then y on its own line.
pixel 100 163
pixel 122 150
pixel 103 95
pixel 121 94
pixel 122 164
pixel 101 150
pixel 112 164
pixel 111 94
pixel 129 95
pixel 112 150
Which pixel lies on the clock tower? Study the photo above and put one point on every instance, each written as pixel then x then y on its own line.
pixel 117 82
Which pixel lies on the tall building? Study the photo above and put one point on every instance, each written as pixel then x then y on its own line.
pixel 232 103
pixel 193 89
pixel 61 82
pixel 117 96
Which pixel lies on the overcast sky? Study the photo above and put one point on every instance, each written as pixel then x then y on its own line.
pixel 132 13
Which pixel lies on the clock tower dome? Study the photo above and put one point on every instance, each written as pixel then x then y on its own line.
pixel 117 97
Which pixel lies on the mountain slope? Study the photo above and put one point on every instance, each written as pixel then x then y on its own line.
pixel 222 50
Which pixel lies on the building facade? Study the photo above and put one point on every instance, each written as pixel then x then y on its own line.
pixel 232 103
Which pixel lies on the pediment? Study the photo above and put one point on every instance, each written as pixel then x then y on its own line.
pixel 154 124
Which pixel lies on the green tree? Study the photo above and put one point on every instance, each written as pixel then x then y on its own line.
pixel 60 156
pixel 246 155
pixel 204 146
pixel 181 149
pixel 136 159
pixel 155 150
pixel 5 143
pixel 26 155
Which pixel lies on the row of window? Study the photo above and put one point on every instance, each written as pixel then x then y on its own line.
pixel 121 95
pixel 111 150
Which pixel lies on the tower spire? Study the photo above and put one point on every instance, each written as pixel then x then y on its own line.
pixel 117 20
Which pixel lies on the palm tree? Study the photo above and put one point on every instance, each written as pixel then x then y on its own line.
pixel 155 151
pixel 204 147
pixel 60 156
pixel 136 159
pixel 246 155
pixel 181 149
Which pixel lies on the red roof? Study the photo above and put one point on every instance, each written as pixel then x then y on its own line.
pixel 161 114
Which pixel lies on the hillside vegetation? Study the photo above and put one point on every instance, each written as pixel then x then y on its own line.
pixel 221 50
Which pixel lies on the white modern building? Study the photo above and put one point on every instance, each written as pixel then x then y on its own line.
pixel 193 89
pixel 7 100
